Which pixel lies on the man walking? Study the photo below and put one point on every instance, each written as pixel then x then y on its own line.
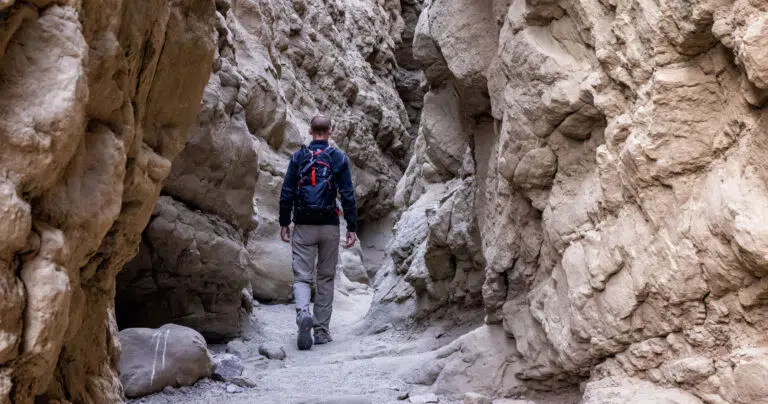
pixel 316 174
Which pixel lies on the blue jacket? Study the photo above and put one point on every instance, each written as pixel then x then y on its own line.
pixel 343 178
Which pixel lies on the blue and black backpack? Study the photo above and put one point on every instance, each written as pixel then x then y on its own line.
pixel 316 190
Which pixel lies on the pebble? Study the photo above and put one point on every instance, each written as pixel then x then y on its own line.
pixel 475 398
pixel 231 388
pixel 425 399
pixel 340 400
pixel 244 381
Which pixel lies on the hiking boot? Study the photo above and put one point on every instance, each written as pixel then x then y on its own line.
pixel 322 337
pixel 304 341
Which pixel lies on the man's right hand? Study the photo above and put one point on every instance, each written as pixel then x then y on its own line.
pixel 285 234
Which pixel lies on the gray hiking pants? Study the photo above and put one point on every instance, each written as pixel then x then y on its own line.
pixel 309 241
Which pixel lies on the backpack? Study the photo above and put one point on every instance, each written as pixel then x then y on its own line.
pixel 316 191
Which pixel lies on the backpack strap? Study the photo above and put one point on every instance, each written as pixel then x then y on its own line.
pixel 313 157
pixel 310 156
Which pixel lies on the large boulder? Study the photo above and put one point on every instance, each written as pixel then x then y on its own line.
pixel 152 359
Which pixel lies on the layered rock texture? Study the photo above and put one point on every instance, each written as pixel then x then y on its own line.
pixel 277 64
pixel 601 165
pixel 96 98
pixel 590 173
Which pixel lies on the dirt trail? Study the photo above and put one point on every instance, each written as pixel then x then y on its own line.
pixel 351 369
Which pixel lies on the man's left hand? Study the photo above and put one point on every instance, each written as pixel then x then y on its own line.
pixel 285 234
pixel 351 239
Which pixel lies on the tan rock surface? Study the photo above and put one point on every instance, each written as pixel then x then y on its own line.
pixel 93 108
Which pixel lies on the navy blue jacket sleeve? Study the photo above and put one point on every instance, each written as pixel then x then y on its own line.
pixel 288 193
pixel 347 193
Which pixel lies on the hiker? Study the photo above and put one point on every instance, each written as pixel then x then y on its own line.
pixel 315 175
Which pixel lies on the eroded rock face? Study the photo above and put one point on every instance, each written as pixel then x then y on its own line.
pixel 97 98
pixel 200 282
pixel 277 64
pixel 617 167
pixel 437 258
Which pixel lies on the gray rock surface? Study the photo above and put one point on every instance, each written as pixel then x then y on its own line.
pixel 152 359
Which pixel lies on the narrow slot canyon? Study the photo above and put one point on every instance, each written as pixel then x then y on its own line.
pixel 559 201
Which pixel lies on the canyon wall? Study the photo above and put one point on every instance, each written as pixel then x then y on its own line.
pixel 601 163
pixel 215 232
pixel 590 173
pixel 96 99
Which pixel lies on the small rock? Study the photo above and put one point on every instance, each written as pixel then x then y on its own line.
pixel 272 351
pixel 340 400
pixel 228 367
pixel 475 398
pixel 169 390
pixel 232 389
pixel 244 381
pixel 425 399
pixel 403 397
pixel 242 349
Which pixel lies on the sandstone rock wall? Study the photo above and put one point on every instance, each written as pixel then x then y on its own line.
pixel 277 64
pixel 615 153
pixel 96 99
pixel 437 258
